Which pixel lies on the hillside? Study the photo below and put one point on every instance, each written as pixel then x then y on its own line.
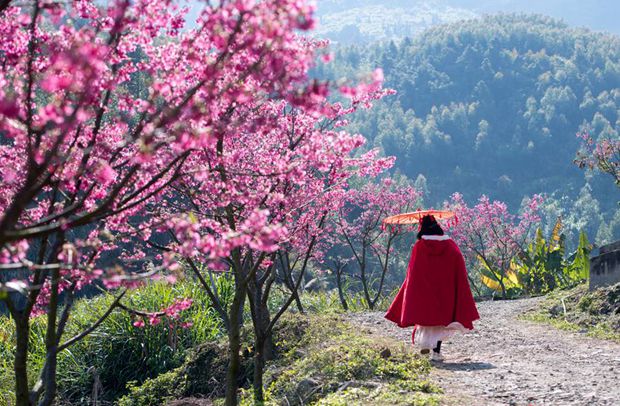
pixel 493 106
pixel 598 15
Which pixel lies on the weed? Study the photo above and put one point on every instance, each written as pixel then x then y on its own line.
pixel 577 309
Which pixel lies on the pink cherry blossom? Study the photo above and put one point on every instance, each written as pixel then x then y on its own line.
pixel 602 155
pixel 358 230
pixel 489 235
pixel 110 111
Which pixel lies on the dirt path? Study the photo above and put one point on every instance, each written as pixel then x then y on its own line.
pixel 506 361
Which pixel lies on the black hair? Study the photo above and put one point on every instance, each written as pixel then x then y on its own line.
pixel 429 226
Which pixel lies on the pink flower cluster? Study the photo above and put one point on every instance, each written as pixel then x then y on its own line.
pixel 268 182
pixel 603 155
pixel 104 107
pixel 171 313
pixel 489 231
pixel 358 224
pixel 130 142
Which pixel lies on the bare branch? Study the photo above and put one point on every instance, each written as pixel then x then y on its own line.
pixel 114 305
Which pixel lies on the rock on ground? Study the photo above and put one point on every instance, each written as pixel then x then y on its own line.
pixel 506 361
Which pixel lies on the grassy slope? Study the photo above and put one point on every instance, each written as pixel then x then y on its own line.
pixel 335 363
pixel 118 355
pixel 321 360
pixel 597 313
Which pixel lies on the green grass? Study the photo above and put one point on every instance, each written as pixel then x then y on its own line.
pixel 203 374
pixel 118 358
pixel 596 313
pixel 320 360
pixel 117 352
pixel 330 362
pixel 7 347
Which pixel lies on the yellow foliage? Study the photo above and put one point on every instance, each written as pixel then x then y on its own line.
pixel 556 233
pixel 490 283
pixel 511 279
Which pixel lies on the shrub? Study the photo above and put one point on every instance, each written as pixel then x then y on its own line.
pixel 595 312
pixel 117 352
pixel 202 374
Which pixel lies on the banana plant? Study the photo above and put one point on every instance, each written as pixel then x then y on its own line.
pixel 497 281
pixel 542 266
pixel 579 267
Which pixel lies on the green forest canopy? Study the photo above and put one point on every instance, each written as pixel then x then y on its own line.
pixel 493 106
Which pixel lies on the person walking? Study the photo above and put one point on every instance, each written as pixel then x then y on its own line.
pixel 435 297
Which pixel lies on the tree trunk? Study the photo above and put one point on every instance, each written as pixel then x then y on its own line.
pixel 264 351
pixel 473 285
pixel 343 299
pixel 234 346
pixel 300 307
pixel 501 284
pixel 363 277
pixel 51 344
pixel 259 369
pixel 263 337
pixel 20 366
pixel 290 284
pixel 266 334
pixel 384 269
pixel 371 304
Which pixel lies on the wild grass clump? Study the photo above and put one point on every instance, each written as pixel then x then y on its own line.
pixel 596 313
pixel 202 375
pixel 118 352
pixel 7 348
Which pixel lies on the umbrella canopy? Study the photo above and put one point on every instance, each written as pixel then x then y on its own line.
pixel 415 216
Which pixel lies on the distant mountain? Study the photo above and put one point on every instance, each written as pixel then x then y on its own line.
pixel 362 21
pixel 598 15
pixel 493 105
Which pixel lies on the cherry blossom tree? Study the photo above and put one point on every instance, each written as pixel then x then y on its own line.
pixel 263 194
pixel 102 107
pixel 603 154
pixel 360 231
pixel 490 235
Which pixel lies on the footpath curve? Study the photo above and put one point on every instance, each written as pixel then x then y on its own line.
pixel 507 361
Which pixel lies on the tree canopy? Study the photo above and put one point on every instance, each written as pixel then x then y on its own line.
pixel 493 103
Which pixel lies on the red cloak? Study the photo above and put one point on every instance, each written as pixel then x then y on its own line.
pixel 436 291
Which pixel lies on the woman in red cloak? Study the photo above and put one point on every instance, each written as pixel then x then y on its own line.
pixel 435 297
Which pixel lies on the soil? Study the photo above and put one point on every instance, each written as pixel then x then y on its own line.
pixel 507 361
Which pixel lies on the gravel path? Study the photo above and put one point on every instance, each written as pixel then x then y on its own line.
pixel 506 361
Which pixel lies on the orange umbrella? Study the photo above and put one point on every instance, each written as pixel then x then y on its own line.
pixel 415 216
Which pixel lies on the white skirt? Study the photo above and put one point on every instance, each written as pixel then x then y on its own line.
pixel 426 337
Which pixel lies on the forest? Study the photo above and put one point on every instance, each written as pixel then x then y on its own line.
pixel 494 106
